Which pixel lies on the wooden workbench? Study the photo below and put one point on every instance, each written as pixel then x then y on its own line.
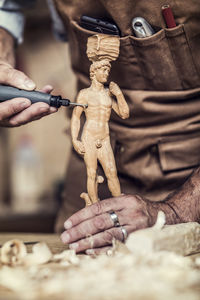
pixel 52 240
pixel 56 246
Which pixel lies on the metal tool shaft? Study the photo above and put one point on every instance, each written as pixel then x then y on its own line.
pixel 78 104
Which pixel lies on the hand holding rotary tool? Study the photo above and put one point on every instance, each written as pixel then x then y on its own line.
pixel 8 92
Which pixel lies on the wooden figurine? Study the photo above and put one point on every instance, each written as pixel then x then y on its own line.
pixel 95 140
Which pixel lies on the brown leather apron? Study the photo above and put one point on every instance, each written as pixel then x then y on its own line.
pixel 158 147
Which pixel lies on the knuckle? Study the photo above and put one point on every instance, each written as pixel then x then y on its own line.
pixel 99 223
pixel 13 108
pixel 80 232
pixel 74 233
pixel 108 237
pixel 29 115
pixel 96 208
pixel 11 75
pixel 118 235
pixel 4 74
pixel 135 200
pixel 142 221
pixel 129 199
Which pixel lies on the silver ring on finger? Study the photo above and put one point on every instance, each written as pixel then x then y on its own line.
pixel 114 218
pixel 124 233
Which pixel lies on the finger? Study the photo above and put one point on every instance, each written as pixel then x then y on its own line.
pixel 89 228
pixel 51 111
pixel 105 238
pixel 133 220
pixel 95 225
pixel 98 251
pixel 96 209
pixel 99 240
pixel 12 107
pixel 15 78
pixel 47 89
pixel 36 110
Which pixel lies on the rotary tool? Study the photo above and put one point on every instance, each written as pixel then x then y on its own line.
pixel 8 92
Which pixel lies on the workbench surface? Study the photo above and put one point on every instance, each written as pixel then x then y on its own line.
pixel 56 246
pixel 52 240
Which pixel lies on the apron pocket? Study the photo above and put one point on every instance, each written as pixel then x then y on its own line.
pixel 165 60
pixel 180 152
pixel 156 62
pixel 126 69
pixel 182 57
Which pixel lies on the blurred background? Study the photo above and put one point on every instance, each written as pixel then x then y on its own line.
pixel 34 157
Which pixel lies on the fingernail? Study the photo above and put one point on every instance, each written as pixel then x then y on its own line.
pixel 65 237
pixel 73 246
pixel 43 109
pixel 29 84
pixel 68 224
pixel 53 109
pixel 89 251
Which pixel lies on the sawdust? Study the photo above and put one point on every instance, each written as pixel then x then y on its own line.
pixel 128 272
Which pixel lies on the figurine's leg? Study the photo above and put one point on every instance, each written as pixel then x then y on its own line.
pixel 90 158
pixel 107 160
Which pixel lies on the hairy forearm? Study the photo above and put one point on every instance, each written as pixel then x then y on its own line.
pixel 181 206
pixel 7 51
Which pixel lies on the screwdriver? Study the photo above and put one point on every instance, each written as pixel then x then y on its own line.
pixel 8 92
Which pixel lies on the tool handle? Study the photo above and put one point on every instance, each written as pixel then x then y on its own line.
pixel 8 92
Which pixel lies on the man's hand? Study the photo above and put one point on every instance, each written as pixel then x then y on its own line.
pixel 16 112
pixel 79 147
pixel 19 111
pixel 92 229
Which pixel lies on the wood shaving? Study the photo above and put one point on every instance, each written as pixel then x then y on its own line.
pixel 158 276
pixel 41 254
pixel 152 270
pixel 183 239
pixel 13 252
pixel 66 257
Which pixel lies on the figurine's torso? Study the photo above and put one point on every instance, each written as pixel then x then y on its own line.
pixel 97 113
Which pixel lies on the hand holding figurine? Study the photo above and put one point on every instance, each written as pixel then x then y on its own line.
pixel 93 228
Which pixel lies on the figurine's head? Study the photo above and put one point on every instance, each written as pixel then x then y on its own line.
pixel 100 70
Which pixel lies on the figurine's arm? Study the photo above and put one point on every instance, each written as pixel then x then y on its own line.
pixel 120 107
pixel 75 124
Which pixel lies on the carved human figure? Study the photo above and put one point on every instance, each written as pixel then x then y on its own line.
pixel 95 140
